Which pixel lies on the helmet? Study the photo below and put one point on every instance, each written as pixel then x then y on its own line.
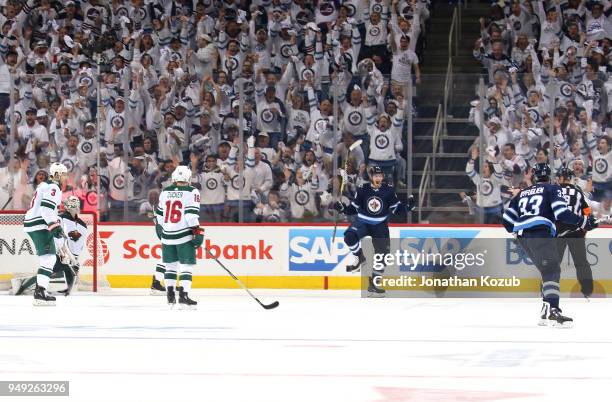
pixel 73 205
pixel 565 172
pixel 541 172
pixel 57 170
pixel 181 173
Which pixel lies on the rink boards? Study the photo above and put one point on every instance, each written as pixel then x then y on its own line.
pixel 271 256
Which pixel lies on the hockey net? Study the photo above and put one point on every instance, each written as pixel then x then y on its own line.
pixel 18 255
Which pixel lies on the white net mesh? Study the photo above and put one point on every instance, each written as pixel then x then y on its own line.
pixel 19 258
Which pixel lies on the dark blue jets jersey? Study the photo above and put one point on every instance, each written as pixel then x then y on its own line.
pixel 373 205
pixel 539 206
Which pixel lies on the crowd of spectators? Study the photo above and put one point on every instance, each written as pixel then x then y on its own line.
pixel 549 98
pixel 152 84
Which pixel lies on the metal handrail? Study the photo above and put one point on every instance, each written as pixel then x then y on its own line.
pixel 426 175
pixel 448 86
pixel 452 33
pixel 453 50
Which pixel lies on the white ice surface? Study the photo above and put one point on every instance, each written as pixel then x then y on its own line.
pixel 317 346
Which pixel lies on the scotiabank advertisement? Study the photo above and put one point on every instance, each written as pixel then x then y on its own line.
pixel 282 256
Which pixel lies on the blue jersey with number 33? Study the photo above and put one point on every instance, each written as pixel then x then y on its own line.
pixel 538 206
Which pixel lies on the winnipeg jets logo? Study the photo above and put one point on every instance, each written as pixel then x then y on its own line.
pixel 302 197
pixel 86 147
pixel 69 164
pixel 236 183
pixel 231 64
pixel 381 142
pixel 321 126
pixel 355 118
pixel 374 205
pixel 566 90
pixel 117 122
pixel 286 50
pixel 212 184
pixel 119 181
pixel 601 166
pixel 486 188
pixel 307 73
pixel 374 31
pixel 267 116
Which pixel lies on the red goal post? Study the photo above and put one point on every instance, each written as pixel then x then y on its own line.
pixel 18 256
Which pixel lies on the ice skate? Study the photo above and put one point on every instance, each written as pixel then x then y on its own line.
pixel 157 288
pixel 356 267
pixel 375 291
pixel 171 296
pixel 42 298
pixel 185 303
pixel 557 320
pixel 544 314
pixel 552 317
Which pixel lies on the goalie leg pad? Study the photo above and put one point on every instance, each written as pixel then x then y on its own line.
pixel 23 285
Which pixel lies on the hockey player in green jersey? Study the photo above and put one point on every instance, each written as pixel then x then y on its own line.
pixel 178 215
pixel 42 224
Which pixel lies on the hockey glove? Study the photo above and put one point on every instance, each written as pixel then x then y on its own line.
pixel 410 204
pixel 338 206
pixel 198 236
pixel 55 230
pixel 591 223
pixel 158 231
pixel 75 235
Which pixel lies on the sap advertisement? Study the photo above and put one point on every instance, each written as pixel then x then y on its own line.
pixel 285 250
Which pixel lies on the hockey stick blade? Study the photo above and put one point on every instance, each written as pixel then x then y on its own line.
pixel 355 145
pixel 270 306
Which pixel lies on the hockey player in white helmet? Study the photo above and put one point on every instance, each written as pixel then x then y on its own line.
pixel 42 224
pixel 178 215
pixel 66 266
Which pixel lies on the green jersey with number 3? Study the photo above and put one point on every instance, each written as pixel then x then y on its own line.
pixel 43 208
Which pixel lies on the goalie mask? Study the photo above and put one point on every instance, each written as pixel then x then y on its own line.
pixel 181 174
pixel 72 205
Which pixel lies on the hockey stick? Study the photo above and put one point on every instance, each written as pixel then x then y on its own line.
pixel 9 200
pixel 348 155
pixel 242 285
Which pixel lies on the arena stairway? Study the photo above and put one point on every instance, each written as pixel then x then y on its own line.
pixel 448 179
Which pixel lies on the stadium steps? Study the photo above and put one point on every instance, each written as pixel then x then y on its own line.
pixel 443 204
